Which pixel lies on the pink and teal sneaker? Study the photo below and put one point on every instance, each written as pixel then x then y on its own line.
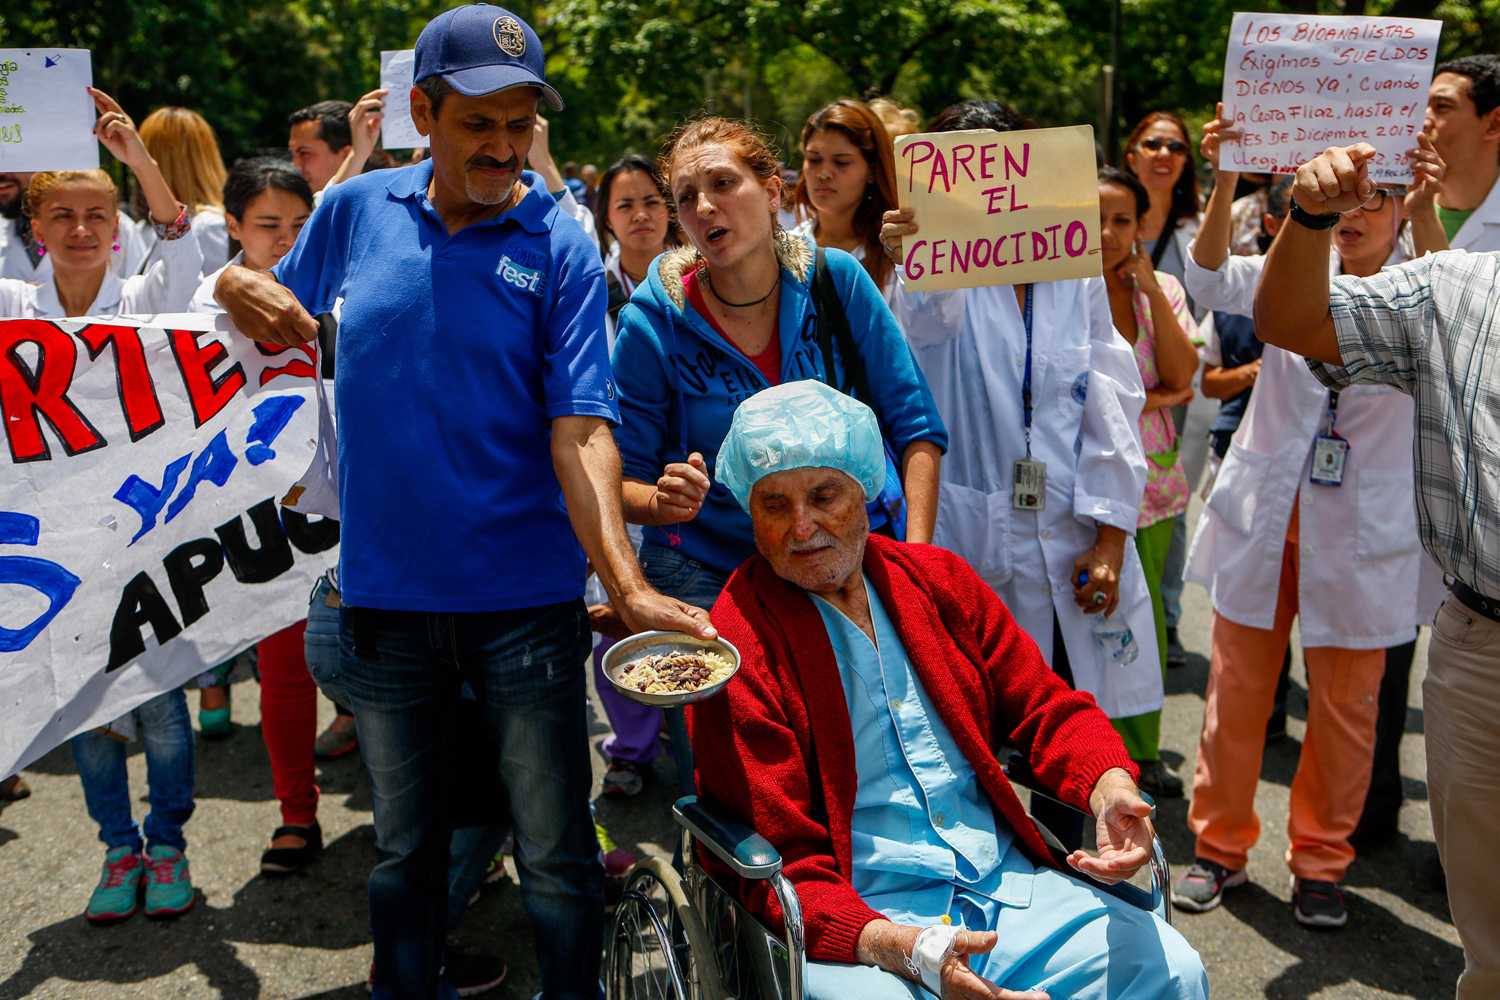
pixel 169 887
pixel 119 886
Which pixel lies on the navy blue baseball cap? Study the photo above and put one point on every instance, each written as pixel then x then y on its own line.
pixel 480 49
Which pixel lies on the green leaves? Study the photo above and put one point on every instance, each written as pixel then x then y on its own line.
pixel 631 69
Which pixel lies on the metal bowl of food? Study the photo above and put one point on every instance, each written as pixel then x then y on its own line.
pixel 668 669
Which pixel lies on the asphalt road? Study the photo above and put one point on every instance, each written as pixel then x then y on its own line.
pixel 307 936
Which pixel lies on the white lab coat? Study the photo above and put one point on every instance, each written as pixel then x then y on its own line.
pixel 1360 554
pixel 1087 399
pixel 1481 231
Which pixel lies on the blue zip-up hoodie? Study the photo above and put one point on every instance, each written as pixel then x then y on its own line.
pixel 679 383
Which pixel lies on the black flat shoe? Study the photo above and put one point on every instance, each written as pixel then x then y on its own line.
pixel 285 860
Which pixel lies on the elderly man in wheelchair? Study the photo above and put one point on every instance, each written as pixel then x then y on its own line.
pixel 860 737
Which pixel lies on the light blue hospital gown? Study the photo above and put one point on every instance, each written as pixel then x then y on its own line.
pixel 926 844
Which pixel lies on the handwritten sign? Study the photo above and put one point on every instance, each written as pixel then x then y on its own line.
pixel 140 537
pixel 999 208
pixel 398 131
pixel 1295 85
pixel 46 113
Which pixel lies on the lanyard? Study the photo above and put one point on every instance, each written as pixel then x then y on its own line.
pixel 1026 375
pixel 1333 410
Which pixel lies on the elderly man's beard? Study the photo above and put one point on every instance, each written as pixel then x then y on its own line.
pixel 477 190
pixel 840 561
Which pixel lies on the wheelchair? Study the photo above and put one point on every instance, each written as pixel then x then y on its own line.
pixel 679 935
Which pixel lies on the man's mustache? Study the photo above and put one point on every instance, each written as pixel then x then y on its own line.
pixel 487 162
pixel 823 538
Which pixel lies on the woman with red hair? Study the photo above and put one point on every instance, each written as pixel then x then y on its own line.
pixel 847 185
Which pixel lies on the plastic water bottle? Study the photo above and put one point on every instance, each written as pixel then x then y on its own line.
pixel 1115 639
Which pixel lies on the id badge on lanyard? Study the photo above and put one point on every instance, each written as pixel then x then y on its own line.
pixel 1330 451
pixel 1030 483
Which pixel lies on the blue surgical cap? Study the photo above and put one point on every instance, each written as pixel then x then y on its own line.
pixel 798 425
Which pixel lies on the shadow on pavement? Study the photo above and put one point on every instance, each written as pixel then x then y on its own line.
pixel 321 907
pixel 1376 949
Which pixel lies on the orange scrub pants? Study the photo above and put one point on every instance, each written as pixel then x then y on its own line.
pixel 1333 775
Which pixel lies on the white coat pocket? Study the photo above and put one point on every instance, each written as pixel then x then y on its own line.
pixel 1387 514
pixel 1238 487
pixel 976 527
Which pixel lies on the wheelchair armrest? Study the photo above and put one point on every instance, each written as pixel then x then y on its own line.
pixel 1018 770
pixel 729 837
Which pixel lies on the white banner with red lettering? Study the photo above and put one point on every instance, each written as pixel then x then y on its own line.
pixel 141 540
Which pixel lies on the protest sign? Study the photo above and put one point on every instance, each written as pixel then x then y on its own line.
pixel 140 537
pixel 397 130
pixel 999 208
pixel 1295 85
pixel 46 113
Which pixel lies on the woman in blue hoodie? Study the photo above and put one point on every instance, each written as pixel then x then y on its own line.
pixel 722 318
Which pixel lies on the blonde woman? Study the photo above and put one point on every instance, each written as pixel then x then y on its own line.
pixel 75 226
pixel 185 149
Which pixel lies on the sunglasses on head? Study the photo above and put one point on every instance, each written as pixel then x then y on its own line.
pixel 1156 144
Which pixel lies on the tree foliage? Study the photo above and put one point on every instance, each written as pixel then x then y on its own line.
pixel 631 69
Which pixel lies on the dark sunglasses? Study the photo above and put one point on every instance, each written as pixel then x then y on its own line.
pixel 1156 144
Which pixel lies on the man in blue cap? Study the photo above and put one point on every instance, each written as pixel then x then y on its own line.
pixel 474 403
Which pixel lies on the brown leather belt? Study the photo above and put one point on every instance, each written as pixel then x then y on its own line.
pixel 1475 601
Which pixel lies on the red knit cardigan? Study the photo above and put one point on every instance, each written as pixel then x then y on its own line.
pixel 777 748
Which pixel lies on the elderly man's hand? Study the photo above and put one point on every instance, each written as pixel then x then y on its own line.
pixel 604 619
pixel 889 945
pixel 647 610
pixel 264 309
pixel 1336 180
pixel 1122 828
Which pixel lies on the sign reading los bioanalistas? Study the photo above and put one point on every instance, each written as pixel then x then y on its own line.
pixel 141 539
pixel 999 208
pixel 1295 85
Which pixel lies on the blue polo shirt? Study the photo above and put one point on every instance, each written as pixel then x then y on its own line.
pixel 454 355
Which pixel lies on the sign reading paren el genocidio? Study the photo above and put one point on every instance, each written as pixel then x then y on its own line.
pixel 1296 84
pixel 141 541
pixel 999 208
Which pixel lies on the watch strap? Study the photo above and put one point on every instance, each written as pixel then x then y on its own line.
pixel 1309 221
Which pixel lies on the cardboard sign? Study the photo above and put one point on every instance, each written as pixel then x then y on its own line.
pixel 141 542
pixel 397 130
pixel 1295 85
pixel 999 208
pixel 46 113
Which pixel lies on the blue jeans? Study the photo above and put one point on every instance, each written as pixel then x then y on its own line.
pixel 693 582
pixel 402 671
pixel 320 645
pixel 167 732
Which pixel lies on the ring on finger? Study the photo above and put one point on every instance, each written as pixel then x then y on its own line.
pixel 1099 597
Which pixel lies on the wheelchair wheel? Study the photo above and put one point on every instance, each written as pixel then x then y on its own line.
pixel 658 949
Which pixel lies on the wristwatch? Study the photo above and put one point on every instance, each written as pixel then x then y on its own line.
pixel 1309 221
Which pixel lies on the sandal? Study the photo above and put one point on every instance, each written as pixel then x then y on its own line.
pixel 285 860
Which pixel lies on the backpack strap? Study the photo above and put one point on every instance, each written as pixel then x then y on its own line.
pixel 833 328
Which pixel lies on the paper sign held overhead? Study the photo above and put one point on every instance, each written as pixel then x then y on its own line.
pixel 397 131
pixel 46 113
pixel 1295 85
pixel 999 208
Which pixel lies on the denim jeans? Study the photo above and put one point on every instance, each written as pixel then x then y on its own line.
pixel 402 671
pixel 693 582
pixel 321 646
pixel 167 732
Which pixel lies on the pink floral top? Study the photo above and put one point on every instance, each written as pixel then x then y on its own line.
pixel 1166 482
